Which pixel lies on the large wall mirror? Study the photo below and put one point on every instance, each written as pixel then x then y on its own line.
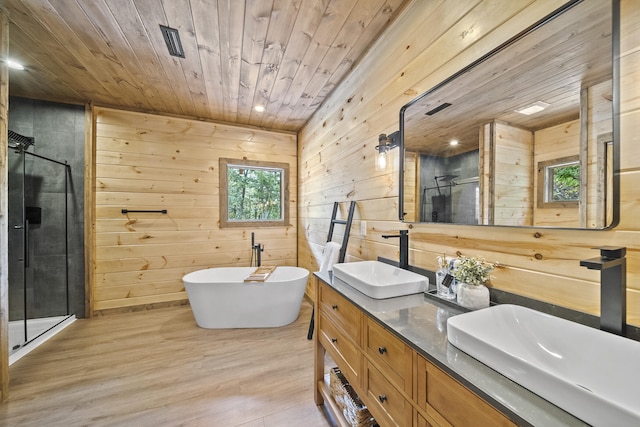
pixel 525 136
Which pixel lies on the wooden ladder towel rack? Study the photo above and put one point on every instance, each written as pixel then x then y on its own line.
pixel 343 247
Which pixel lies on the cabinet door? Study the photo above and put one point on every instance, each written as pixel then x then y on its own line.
pixel 448 401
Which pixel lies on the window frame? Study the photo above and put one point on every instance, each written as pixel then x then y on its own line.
pixel 224 193
pixel 545 186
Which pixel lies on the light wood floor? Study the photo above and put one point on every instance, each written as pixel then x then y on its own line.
pixel 157 368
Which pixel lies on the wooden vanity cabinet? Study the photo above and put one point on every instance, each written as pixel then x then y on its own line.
pixel 399 386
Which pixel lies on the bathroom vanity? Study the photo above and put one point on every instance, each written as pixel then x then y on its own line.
pixel 395 354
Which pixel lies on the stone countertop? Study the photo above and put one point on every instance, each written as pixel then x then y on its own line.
pixel 421 323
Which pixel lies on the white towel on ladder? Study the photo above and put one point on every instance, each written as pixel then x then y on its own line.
pixel 330 256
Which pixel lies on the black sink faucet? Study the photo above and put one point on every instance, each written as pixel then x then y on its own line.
pixel 613 287
pixel 404 247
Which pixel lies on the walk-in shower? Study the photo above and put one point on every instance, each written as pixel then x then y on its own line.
pixel 449 188
pixel 38 273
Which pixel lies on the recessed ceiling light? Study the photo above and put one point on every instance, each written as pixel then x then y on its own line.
pixel 453 142
pixel 536 107
pixel 15 65
pixel 259 108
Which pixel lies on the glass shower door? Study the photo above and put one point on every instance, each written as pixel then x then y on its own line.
pixel 46 238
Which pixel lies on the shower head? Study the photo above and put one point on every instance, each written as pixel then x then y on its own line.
pixel 20 142
pixel 446 178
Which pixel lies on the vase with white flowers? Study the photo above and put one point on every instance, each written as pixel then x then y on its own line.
pixel 472 274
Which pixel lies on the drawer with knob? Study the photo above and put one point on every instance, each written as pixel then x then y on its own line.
pixel 392 356
pixel 342 350
pixel 385 402
pixel 341 311
pixel 440 396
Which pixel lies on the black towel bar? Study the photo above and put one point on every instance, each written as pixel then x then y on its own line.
pixel 162 211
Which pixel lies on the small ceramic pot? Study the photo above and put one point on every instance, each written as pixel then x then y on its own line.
pixel 473 296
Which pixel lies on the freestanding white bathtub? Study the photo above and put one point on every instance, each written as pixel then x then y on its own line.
pixel 220 298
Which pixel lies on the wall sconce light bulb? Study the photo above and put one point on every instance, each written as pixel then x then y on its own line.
pixel 382 159
pixel 385 144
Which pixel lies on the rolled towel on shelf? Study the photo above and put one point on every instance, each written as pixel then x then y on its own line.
pixel 330 256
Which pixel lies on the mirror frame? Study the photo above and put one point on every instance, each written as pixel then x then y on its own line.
pixel 615 51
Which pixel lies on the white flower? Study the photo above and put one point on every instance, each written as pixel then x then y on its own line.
pixel 472 270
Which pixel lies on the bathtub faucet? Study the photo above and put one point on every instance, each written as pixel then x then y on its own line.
pixel 257 249
pixel 613 287
pixel 404 247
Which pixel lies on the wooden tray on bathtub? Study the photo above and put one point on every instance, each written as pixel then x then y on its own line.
pixel 261 274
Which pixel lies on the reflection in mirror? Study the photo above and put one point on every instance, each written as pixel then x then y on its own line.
pixel 537 113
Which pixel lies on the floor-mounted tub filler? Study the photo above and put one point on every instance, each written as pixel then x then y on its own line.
pixel 589 373
pixel 220 298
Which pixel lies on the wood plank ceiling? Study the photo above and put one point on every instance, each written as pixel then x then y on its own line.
pixel 552 64
pixel 285 55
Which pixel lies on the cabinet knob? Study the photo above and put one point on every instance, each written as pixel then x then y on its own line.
pixel 334 306
pixel 382 350
pixel 334 340
pixel 382 398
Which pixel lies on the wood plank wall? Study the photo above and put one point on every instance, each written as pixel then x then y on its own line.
pixel 429 42
pixel 4 208
pixel 145 161
pixel 512 190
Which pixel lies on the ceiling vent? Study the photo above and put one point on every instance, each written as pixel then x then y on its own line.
pixel 437 109
pixel 172 39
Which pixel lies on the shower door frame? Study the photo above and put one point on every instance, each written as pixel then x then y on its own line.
pixel 25 248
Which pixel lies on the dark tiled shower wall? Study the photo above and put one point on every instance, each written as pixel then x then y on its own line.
pixel 59 134
pixel 457 203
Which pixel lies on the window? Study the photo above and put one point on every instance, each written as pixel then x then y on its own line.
pixel 253 193
pixel 559 182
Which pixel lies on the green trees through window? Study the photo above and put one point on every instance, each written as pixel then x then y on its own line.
pixel 253 193
pixel 565 183
pixel 559 183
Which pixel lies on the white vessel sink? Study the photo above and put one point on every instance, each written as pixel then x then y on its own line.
pixel 589 373
pixel 379 280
